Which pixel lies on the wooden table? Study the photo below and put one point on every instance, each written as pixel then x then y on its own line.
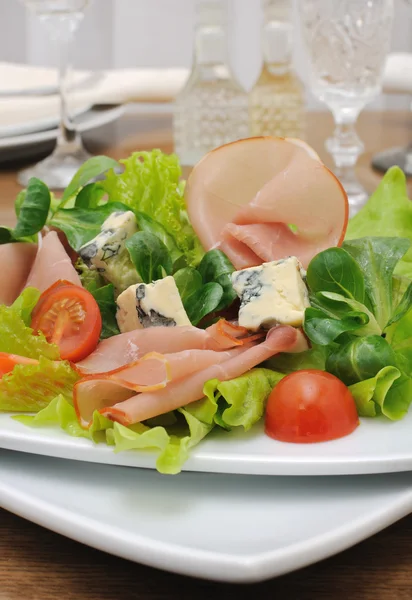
pixel 36 564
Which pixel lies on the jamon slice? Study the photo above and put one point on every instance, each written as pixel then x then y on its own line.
pixel 153 372
pixel 270 184
pixel 126 348
pixel 16 260
pixel 184 391
pixel 51 264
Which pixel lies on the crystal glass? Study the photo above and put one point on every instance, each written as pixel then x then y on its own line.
pixel 61 19
pixel 347 42
pixel 401 157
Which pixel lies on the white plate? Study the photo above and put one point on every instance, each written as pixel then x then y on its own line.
pixel 91 119
pixel 377 446
pixel 227 528
pixel 37 125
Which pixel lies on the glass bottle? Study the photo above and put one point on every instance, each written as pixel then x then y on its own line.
pixel 212 109
pixel 276 102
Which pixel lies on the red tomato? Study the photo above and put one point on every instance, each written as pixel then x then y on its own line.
pixel 310 406
pixel 9 361
pixel 69 316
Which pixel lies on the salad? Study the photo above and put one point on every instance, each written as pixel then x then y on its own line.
pixel 143 312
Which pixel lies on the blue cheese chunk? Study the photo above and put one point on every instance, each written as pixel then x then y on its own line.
pixel 271 293
pixel 151 305
pixel 107 251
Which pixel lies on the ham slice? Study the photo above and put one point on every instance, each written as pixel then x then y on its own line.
pixel 151 373
pixel 16 260
pixel 243 197
pixel 51 264
pixel 184 391
pixel 126 348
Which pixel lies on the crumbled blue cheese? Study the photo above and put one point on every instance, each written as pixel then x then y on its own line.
pixel 107 251
pixel 151 305
pixel 271 293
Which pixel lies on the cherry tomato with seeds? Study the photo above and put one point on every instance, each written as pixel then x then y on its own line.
pixel 69 317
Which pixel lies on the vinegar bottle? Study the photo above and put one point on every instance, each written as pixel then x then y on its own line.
pixel 276 102
pixel 212 109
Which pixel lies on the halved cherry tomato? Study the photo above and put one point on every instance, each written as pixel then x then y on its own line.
pixel 9 361
pixel 69 316
pixel 310 406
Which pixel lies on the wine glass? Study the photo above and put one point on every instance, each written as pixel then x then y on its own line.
pixel 61 19
pixel 401 157
pixel 347 42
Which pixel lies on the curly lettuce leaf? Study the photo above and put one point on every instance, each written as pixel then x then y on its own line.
pixel 239 402
pixel 389 393
pixel 32 387
pixel 17 338
pixel 25 303
pixel 171 443
pixel 387 213
pixel 151 184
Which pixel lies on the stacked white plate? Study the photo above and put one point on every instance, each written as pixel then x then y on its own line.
pixel 30 107
pixel 248 508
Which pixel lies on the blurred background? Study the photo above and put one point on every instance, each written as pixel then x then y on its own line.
pixel 160 33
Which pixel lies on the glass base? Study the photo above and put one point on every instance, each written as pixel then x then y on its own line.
pixel 357 197
pixel 56 170
pixel 400 157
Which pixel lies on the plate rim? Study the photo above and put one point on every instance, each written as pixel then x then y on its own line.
pixel 107 115
pixel 39 441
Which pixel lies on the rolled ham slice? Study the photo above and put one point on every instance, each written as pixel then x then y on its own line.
pixel 16 261
pixel 184 391
pixel 51 264
pixel 153 372
pixel 126 348
pixel 243 197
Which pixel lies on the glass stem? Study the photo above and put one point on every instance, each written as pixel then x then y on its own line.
pixel 345 146
pixel 68 140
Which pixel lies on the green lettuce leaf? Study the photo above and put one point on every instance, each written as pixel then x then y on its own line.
pixel 370 394
pixel 399 336
pixel 377 258
pixel 239 402
pixel 389 393
pixel 92 168
pixel 387 213
pixel 17 338
pixel 314 358
pixel 360 358
pixel 334 270
pixel 58 412
pixel 32 208
pixel 81 225
pixel 172 444
pixel 149 255
pixel 25 303
pixel 215 267
pixel 151 184
pixel 104 297
pixel 32 387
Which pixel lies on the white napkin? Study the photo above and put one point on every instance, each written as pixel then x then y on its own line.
pixel 112 87
pixel 397 77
